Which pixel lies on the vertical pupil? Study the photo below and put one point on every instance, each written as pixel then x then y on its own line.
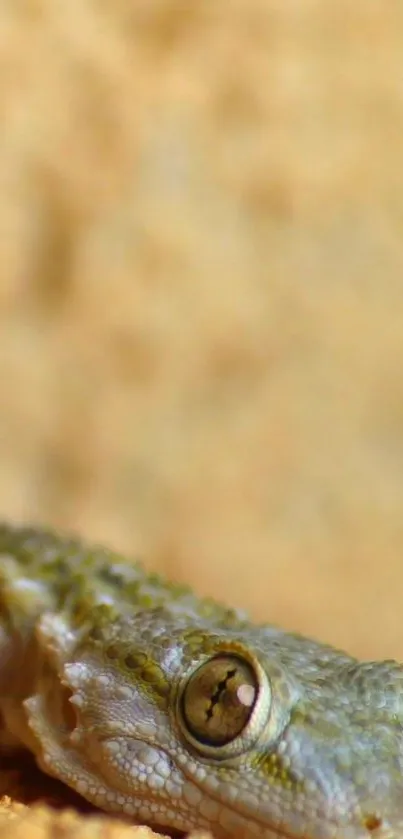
pixel 213 702
pixel 218 692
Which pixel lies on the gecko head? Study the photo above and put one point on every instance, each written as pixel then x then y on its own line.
pixel 252 733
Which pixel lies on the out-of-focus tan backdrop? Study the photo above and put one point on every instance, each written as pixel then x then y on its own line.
pixel 201 295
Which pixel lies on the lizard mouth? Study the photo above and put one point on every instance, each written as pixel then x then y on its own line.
pixel 232 820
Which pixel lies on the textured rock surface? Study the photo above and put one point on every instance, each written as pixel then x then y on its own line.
pixel 39 822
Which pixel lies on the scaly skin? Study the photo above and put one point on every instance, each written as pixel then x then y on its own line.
pixel 178 712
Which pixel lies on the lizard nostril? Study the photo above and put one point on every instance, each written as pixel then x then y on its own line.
pixel 372 821
pixel 67 707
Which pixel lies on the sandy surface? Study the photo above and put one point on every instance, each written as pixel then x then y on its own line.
pixel 41 822
pixel 201 296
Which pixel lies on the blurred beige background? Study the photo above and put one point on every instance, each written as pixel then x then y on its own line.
pixel 201 295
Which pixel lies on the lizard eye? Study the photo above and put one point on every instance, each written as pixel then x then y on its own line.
pixel 218 699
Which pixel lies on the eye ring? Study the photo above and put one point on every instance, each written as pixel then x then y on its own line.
pixel 224 703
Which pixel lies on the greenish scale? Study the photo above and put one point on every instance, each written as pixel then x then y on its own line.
pixel 277 772
pixel 78 578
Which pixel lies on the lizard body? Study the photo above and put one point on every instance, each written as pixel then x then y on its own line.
pixel 178 712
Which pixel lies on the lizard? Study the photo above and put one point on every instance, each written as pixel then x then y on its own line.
pixel 181 713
